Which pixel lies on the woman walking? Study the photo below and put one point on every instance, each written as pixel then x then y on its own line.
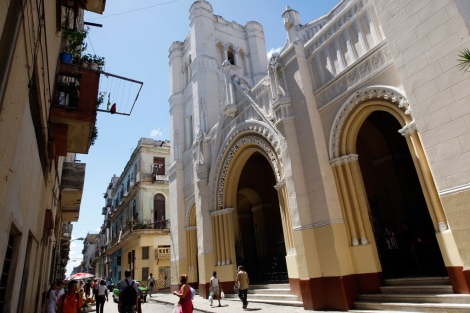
pixel 101 294
pixel 52 298
pixel 214 286
pixel 185 295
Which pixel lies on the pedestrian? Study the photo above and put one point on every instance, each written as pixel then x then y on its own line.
pixel 51 297
pixel 88 288
pixel 70 302
pixel 242 283
pixel 94 287
pixel 127 294
pixel 60 288
pixel 139 302
pixel 214 287
pixel 185 295
pixel 101 294
pixel 150 283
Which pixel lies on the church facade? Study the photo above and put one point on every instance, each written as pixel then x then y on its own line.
pixel 341 161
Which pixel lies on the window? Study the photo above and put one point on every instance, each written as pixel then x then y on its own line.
pixel 118 260
pixel 145 273
pixel 129 257
pixel 159 211
pixel 159 166
pixel 145 254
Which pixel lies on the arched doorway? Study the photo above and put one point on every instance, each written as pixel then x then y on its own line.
pixel 259 244
pixel 400 219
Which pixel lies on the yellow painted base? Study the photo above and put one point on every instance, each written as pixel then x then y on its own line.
pixel 226 272
pixel 292 267
pixel 206 267
pixel 449 250
pixel 365 259
pixel 456 208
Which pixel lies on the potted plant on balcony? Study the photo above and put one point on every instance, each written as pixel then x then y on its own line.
pixel 96 62
pixel 74 45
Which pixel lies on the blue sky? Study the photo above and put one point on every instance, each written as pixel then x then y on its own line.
pixel 135 45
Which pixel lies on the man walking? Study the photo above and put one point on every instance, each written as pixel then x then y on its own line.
pixel 128 291
pixel 242 283
pixel 150 283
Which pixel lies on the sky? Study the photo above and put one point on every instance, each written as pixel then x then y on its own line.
pixel 134 40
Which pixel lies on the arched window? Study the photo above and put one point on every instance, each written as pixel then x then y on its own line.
pixel 159 211
pixel 231 56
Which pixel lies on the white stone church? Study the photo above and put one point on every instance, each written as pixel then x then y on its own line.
pixel 338 167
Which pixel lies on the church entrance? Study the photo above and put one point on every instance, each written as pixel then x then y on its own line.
pixel 400 219
pixel 259 244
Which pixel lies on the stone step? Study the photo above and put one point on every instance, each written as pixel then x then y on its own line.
pixel 417 298
pixel 417 281
pixel 270 286
pixel 431 289
pixel 276 297
pixel 268 301
pixel 411 307
pixel 269 291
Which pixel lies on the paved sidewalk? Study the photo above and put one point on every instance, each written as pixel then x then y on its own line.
pixel 228 306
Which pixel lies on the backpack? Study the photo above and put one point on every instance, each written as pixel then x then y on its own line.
pixel 193 292
pixel 128 294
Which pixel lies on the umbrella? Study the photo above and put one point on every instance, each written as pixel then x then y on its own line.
pixel 80 276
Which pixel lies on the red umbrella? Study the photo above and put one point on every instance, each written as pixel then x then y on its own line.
pixel 81 276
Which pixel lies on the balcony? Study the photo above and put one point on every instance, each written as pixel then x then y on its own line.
pixel 159 176
pixel 163 253
pixel 71 189
pixel 73 113
pixel 104 210
pixel 136 229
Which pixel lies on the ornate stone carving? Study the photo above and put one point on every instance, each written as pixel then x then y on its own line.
pixel 221 212
pixel 408 129
pixel 344 159
pixel 374 92
pixel 248 140
pixel 280 184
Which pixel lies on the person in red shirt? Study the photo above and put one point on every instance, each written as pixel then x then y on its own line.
pixel 71 301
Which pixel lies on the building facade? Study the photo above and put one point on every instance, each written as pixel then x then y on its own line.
pixel 312 166
pixel 137 225
pixel 42 184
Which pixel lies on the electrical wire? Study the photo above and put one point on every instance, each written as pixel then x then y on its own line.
pixel 152 6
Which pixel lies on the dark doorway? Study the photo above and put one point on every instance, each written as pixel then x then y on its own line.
pixel 400 219
pixel 260 248
pixel 159 211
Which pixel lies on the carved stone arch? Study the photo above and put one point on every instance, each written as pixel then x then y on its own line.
pixel 250 134
pixel 382 93
pixel 228 45
pixel 191 204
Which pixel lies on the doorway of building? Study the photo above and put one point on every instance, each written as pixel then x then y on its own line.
pixel 400 219
pixel 260 246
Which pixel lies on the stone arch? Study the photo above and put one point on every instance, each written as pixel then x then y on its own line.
pixel 189 207
pixel 381 93
pixel 263 136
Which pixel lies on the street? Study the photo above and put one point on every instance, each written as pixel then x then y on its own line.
pixel 111 307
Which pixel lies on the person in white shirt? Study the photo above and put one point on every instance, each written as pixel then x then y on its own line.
pixel 150 284
pixel 101 294
pixel 215 287
pixel 60 286
pixel 52 298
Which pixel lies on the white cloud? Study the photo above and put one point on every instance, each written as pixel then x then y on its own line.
pixel 270 52
pixel 156 133
pixel 73 245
